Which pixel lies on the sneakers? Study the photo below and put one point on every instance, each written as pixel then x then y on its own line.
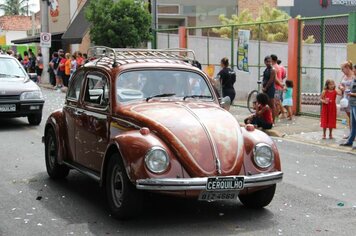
pixel 346 144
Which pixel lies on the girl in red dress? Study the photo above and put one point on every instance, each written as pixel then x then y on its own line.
pixel 328 109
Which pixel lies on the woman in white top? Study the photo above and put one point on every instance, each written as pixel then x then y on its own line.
pixel 345 85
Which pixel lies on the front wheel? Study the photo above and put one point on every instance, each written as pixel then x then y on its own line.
pixel 123 198
pixel 258 199
pixel 34 119
pixel 251 99
pixel 54 169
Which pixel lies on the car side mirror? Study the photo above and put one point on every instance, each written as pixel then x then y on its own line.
pixel 33 76
pixel 225 103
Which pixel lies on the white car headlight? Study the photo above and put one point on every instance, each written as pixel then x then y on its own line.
pixel 263 155
pixel 33 95
pixel 157 160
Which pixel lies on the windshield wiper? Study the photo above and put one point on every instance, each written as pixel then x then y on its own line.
pixel 160 96
pixel 196 96
pixel 7 75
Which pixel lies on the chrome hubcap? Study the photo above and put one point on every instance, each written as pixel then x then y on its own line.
pixel 117 186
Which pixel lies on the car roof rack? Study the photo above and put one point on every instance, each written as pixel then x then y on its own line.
pixel 118 54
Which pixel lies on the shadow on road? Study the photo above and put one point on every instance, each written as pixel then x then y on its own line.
pixel 14 124
pixel 79 200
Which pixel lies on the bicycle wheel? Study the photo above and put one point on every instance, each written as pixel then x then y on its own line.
pixel 251 99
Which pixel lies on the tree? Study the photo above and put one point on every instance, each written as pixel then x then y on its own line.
pixel 15 7
pixel 119 24
pixel 271 32
pixel 266 32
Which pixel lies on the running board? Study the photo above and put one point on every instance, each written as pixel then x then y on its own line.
pixel 92 174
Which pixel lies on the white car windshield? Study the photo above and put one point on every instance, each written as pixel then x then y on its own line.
pixel 148 84
pixel 9 67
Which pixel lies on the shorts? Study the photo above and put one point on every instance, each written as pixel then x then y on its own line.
pixel 278 95
pixel 287 102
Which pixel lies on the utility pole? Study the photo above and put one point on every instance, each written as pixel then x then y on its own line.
pixel 154 22
pixel 45 29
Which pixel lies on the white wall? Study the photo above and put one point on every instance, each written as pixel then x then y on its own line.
pixel 12 35
pixel 247 81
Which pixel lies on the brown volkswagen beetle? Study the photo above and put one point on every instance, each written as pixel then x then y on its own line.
pixel 147 120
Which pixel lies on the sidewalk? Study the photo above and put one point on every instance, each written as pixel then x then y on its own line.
pixel 302 129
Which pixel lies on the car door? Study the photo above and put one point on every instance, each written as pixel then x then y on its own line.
pixel 93 128
pixel 70 111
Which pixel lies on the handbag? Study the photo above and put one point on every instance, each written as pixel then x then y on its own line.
pixel 344 102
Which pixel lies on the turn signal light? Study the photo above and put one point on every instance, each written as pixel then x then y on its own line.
pixel 250 127
pixel 144 131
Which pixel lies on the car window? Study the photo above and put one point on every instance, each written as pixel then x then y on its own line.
pixel 96 90
pixel 138 85
pixel 75 86
pixel 9 67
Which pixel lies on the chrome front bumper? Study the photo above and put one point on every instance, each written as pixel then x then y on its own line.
pixel 171 184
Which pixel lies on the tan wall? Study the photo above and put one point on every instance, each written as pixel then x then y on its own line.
pixel 254 6
pixel 60 23
pixel 84 46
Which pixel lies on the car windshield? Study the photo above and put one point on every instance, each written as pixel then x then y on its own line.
pixel 161 84
pixel 9 67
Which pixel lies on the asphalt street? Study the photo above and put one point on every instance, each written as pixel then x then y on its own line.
pixel 316 197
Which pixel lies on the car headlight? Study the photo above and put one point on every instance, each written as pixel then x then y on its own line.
pixel 33 95
pixel 263 155
pixel 157 160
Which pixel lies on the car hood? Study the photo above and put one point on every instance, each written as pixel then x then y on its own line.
pixel 15 86
pixel 206 138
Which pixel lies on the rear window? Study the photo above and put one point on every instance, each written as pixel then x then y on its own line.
pixel 139 85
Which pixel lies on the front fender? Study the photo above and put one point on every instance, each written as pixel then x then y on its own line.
pixel 57 123
pixel 133 146
pixel 251 138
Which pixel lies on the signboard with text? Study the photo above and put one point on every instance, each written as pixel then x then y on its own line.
pixel 242 50
pixel 344 2
pixel 45 40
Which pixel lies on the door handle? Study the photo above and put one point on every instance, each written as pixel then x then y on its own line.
pixel 78 113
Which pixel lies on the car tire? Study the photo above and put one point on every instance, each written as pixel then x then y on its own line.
pixel 258 199
pixel 123 199
pixel 34 119
pixel 54 169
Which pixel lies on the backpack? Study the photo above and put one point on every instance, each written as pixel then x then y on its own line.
pixel 56 64
pixel 232 76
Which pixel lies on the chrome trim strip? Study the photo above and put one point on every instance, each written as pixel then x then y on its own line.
pixel 88 173
pixel 210 137
pixel 172 184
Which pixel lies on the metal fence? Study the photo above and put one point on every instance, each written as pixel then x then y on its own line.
pixel 211 43
pixel 323 47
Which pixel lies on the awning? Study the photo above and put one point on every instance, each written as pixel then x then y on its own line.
pixel 78 28
pixel 56 37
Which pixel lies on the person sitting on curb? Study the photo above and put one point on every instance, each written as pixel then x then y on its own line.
pixel 263 117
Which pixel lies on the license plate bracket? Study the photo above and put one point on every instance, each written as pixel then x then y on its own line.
pixel 218 195
pixel 225 183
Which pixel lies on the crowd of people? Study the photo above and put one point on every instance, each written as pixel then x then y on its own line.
pixel 63 65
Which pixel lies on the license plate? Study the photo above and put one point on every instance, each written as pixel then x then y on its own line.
pixel 225 183
pixel 7 107
pixel 218 196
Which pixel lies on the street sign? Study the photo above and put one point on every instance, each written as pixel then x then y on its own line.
pixel 45 40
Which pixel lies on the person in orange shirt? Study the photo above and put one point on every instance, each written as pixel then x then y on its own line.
pixel 67 66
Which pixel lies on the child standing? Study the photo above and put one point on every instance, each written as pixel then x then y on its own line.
pixel 328 110
pixel 288 98
pixel 263 117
